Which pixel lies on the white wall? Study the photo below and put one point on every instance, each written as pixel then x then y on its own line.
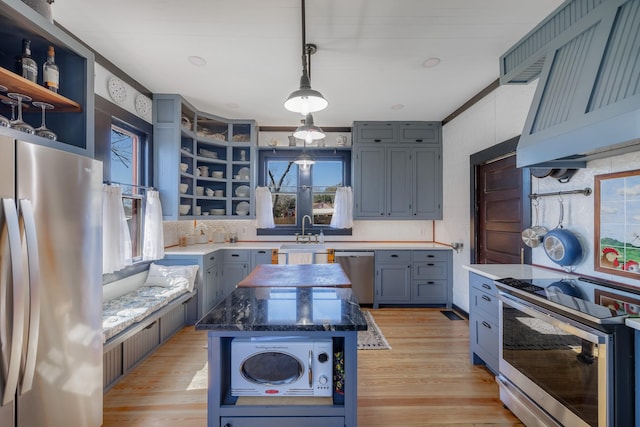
pixel 579 211
pixel 496 118
pixel 100 87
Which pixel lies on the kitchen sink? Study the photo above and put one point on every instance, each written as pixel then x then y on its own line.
pixel 303 247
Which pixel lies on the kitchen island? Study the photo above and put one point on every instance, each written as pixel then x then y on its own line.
pixel 307 312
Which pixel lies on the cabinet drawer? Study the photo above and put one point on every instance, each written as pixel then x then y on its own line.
pixel 375 132
pixel 210 260
pixel 483 283
pixel 282 421
pixel 172 321
pixel 427 256
pixel 484 303
pixel 419 132
pixel 236 255
pixel 487 341
pixel 430 291
pixel 393 257
pixel 430 270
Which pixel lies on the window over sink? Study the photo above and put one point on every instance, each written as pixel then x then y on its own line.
pixel 298 191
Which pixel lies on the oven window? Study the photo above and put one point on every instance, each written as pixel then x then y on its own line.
pixel 564 365
pixel 272 368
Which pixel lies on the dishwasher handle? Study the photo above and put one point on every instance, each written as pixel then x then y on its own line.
pixel 349 254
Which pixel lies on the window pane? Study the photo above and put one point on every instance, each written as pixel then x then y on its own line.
pixel 124 156
pixel 326 177
pixel 125 146
pixel 282 176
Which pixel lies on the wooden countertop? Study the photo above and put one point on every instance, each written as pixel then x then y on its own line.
pixel 296 275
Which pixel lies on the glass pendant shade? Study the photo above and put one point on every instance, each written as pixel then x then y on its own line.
pixel 305 100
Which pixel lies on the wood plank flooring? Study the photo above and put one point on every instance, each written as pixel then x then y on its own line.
pixel 426 379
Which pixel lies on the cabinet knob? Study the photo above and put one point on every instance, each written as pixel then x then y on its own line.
pixel 484 285
pixel 486 298
pixel 212 258
pixel 377 140
pixel 486 325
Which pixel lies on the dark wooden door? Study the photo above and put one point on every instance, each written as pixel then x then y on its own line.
pixel 500 216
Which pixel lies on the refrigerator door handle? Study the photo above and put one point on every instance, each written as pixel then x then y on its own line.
pixel 10 241
pixel 31 238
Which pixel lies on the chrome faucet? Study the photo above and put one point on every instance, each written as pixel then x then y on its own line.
pixel 310 222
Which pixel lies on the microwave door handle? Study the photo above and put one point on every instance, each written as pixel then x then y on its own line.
pixel 310 368
pixel 28 220
pixel 10 241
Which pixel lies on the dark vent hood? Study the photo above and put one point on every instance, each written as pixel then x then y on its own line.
pixel 586 55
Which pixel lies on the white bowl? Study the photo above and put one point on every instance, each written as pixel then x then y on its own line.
pixel 184 188
pixel 217 211
pixel 184 209
pixel 199 191
pixel 219 193
pixel 242 213
pixel 183 167
pixel 217 174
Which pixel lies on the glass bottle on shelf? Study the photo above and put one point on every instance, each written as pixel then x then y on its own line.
pixel 25 64
pixel 50 72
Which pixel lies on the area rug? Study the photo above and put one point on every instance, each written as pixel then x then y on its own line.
pixel 372 338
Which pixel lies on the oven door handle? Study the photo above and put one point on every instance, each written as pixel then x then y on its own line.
pixel 555 319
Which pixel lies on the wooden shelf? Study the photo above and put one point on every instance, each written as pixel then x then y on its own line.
pixel 19 84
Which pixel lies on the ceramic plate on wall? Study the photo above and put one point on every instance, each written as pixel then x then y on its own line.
pixel 143 106
pixel 117 90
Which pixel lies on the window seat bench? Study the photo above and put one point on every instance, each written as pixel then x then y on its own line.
pixel 137 319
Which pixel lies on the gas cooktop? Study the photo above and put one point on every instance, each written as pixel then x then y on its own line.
pixel 561 296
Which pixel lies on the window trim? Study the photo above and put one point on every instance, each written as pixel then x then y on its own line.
pixel 265 155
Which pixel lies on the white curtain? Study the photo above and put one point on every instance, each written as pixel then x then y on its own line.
pixel 153 247
pixel 116 241
pixel 264 208
pixel 343 208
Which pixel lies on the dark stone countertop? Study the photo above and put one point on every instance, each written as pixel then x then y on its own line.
pixel 286 309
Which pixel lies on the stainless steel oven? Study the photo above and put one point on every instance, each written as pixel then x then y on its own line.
pixel 564 361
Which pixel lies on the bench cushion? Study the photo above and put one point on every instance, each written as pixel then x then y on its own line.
pixel 120 313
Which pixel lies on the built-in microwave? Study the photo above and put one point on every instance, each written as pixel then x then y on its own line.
pixel 283 366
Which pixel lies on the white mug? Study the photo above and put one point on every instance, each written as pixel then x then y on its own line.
pixel 204 170
pixel 198 210
pixel 209 192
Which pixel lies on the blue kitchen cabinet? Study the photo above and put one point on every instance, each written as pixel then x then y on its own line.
pixel 235 267
pixel 483 322
pixel 72 118
pixel 218 154
pixel 399 179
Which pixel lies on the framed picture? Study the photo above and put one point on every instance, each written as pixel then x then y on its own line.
pixel 618 302
pixel 617 223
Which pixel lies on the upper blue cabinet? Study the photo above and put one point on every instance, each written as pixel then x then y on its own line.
pixel 587 102
pixel 72 115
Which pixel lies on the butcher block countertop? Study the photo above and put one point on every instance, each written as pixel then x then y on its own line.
pixel 297 275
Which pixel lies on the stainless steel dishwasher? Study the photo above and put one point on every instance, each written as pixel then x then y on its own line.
pixel 359 267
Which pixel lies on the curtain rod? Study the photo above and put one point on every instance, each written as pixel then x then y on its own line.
pixel 144 187
pixel 586 191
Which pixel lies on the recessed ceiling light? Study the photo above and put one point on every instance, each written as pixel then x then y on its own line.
pixel 431 62
pixel 197 61
pixel 397 106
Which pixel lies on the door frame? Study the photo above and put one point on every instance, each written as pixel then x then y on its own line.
pixel 488 155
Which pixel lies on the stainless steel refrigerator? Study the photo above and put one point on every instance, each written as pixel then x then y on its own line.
pixel 50 287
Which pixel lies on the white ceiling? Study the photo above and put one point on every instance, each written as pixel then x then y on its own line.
pixel 369 59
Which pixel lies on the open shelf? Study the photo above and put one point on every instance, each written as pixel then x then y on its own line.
pixel 19 84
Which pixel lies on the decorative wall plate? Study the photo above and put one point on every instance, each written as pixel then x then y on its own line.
pixel 117 90
pixel 143 106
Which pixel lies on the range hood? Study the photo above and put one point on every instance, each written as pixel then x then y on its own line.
pixel 586 55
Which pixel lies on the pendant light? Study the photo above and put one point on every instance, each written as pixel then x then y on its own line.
pixel 308 132
pixel 305 100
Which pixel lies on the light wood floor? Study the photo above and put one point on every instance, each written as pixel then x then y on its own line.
pixel 426 379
